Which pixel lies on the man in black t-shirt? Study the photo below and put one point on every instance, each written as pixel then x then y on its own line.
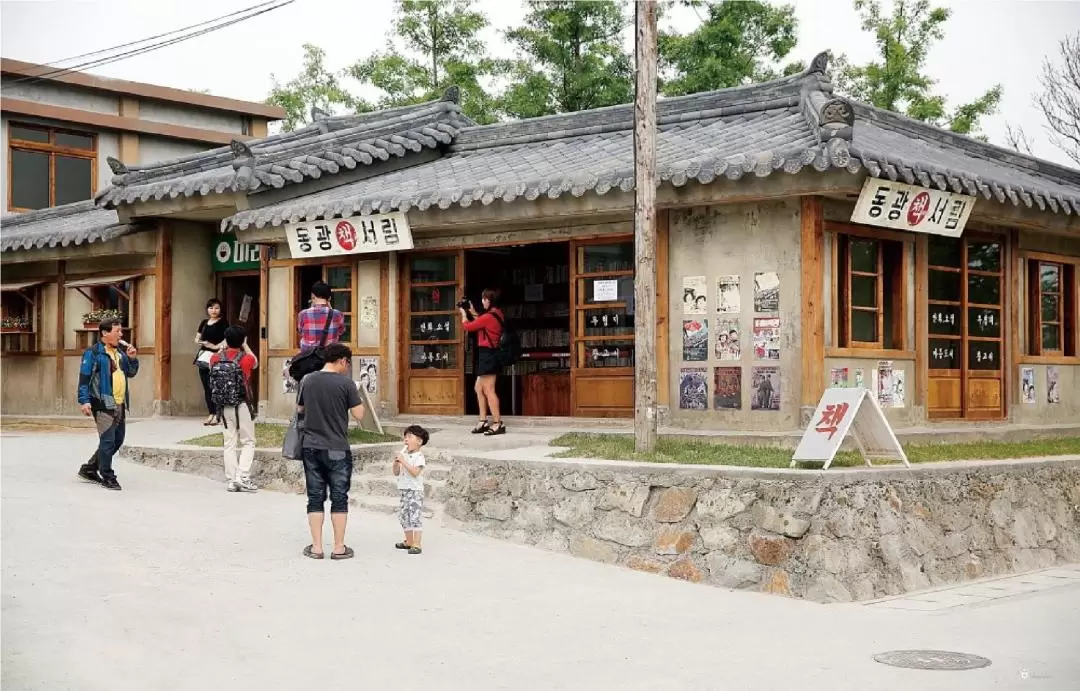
pixel 326 400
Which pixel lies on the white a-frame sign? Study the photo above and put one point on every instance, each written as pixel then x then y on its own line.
pixel 840 411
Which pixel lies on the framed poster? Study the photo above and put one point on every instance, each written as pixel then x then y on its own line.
pixel 695 340
pixel 765 388
pixel 727 388
pixel 693 391
pixel 728 300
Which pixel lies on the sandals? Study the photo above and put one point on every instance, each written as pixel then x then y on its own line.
pixel 347 554
pixel 210 421
pixel 481 427
pixel 495 429
pixel 402 545
pixel 310 553
pixel 415 550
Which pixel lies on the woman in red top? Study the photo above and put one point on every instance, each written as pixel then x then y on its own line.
pixel 489 327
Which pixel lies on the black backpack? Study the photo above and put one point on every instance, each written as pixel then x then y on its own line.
pixel 508 350
pixel 227 385
pixel 312 361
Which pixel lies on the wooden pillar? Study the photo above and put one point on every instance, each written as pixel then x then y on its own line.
pixel 813 300
pixel 384 326
pixel 921 396
pixel 663 327
pixel 264 327
pixel 61 308
pixel 163 294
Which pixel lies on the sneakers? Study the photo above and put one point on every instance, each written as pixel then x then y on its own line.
pixel 89 474
pixel 231 486
pixel 241 485
pixel 110 483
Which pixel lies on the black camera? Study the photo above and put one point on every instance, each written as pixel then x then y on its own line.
pixel 463 304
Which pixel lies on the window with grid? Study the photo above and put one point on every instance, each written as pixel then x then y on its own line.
pixel 870 286
pixel 49 166
pixel 433 318
pixel 1051 308
pixel 604 334
pixel 340 279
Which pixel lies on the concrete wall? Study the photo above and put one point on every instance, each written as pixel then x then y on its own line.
pixel 740 239
pixel 836 536
pixel 193 285
pixel 174 114
pixel 155 149
pixel 64 95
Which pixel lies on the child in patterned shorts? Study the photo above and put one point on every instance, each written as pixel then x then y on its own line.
pixel 408 465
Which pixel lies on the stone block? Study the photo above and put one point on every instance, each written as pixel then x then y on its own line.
pixel 630 498
pixel 912 577
pixel 674 504
pixel 828 589
pixel 731 572
pixel 554 541
pixel 823 554
pixel 842 522
pixel 516 486
pixel 483 484
pixel 777 583
pixel 781 523
pixel 579 482
pixel 647 565
pixel 955 518
pixel 954 545
pixel 808 500
pixel 575 511
pixel 498 508
pixel 685 569
pixel 673 541
pixel 624 530
pixel 1025 530
pixel 888 519
pixel 1001 512
pixel 532 518
pixel 720 537
pixel 459 508
pixel 596 550
pixel 720 504
pixel 770 550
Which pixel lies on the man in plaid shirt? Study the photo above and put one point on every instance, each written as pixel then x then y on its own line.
pixel 311 321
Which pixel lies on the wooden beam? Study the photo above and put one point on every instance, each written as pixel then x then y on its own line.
pixel 663 354
pixel 163 314
pixel 384 325
pixel 264 326
pixel 813 300
pixel 61 308
pixel 1013 278
pixel 922 373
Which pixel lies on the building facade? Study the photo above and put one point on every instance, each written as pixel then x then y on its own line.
pixel 804 241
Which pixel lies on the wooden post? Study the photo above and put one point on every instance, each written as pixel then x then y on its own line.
pixel 645 226
pixel 264 329
pixel 163 281
pixel 61 309
pixel 813 296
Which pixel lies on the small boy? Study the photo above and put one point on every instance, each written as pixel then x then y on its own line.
pixel 408 464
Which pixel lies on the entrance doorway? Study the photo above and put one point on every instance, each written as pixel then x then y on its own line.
pixel 240 302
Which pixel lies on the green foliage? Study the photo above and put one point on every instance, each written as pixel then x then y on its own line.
pixel 574 59
pixel 738 41
pixel 442 48
pixel 897 81
pixel 315 86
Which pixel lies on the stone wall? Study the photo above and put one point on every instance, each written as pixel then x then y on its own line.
pixel 838 535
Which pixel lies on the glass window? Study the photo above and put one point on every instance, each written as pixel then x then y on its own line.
pixel 945 286
pixel 433 269
pixel 984 256
pixel 1051 308
pixel 984 355
pixel 433 299
pixel 606 354
pixel 42 171
pixel 29 180
pixel 438 356
pixel 944 354
pixel 984 290
pixel 864 256
pixel 609 321
pixel 945 319
pixel 29 134
pixel 870 290
pixel 944 251
pixel 71 140
pixel 442 327
pixel 74 179
pixel 608 258
pixel 339 276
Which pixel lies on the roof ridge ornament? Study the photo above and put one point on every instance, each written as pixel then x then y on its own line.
pixel 820 63
pixel 116 166
pixel 318 114
pixel 452 94
pixel 242 154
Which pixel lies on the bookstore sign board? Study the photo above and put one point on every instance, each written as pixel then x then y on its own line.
pixel 916 209
pixel 355 235
pixel 848 411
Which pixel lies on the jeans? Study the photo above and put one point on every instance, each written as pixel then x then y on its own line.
pixel 111 429
pixel 328 471
pixel 239 435
pixel 204 376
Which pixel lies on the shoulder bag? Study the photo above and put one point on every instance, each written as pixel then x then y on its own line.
pixel 304 364
pixel 293 445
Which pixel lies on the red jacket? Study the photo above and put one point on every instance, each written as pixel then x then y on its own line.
pixel 489 328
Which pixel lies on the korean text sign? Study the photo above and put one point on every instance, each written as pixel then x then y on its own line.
pixel 356 235
pixel 908 207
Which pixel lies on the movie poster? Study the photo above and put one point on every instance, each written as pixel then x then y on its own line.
pixel 727 340
pixel 728 300
pixel 288 384
pixel 838 378
pixel 695 340
pixel 1053 394
pixel 694 297
pixel 368 375
pixel 1027 384
pixel 727 388
pixel 767 338
pixel 765 388
pixel 859 379
pixel 890 385
pixel 693 391
pixel 767 292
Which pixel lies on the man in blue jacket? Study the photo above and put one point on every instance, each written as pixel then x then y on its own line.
pixel 103 393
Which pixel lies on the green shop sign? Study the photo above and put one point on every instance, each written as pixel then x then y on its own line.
pixel 232 255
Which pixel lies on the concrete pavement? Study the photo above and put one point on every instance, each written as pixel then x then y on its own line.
pixel 176 584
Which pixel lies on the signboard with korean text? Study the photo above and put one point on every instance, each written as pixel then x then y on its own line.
pixel 909 207
pixel 232 255
pixel 356 235
pixel 839 412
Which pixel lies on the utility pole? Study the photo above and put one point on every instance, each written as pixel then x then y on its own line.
pixel 645 226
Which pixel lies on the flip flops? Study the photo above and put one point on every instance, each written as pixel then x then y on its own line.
pixel 310 553
pixel 347 554
pixel 402 545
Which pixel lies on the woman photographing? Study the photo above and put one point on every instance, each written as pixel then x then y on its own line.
pixel 488 326
pixel 210 337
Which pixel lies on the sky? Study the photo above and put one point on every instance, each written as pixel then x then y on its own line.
pixel 986 42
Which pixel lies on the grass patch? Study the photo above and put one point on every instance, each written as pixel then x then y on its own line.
pixel 620 447
pixel 269 435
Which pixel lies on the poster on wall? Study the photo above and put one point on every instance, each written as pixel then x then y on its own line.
pixel 368 375
pixel 767 292
pixel 859 379
pixel 727 388
pixel 1027 384
pixel 369 312
pixel 695 340
pixel 693 391
pixel 838 378
pixel 728 300
pixel 694 297
pixel 1053 394
pixel 765 388
pixel 767 338
pixel 606 290
pixel 890 388
pixel 727 340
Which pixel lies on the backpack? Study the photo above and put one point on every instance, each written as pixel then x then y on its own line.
pixel 304 364
pixel 227 385
pixel 508 351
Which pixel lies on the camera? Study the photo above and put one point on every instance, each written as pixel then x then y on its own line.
pixel 463 304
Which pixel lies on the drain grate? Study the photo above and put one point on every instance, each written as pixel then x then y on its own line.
pixel 931 659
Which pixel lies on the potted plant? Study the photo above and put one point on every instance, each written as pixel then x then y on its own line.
pixel 16 324
pixel 94 317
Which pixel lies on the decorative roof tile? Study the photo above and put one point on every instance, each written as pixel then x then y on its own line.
pixel 70 224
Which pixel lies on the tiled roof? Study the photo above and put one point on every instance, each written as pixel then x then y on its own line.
pixel 328 146
pixel 70 224
pixel 785 125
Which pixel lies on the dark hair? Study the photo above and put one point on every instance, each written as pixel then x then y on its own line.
pixel 321 291
pixel 371 366
pixel 107 325
pixel 211 302
pixel 234 336
pixel 336 351
pixel 490 294
pixel 418 432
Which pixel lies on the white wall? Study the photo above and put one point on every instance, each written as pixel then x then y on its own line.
pixel 173 114
pixel 156 149
pixel 60 95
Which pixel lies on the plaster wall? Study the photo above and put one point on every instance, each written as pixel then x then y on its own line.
pixel 66 96
pixel 29 385
pixel 157 149
pixel 192 286
pixel 203 118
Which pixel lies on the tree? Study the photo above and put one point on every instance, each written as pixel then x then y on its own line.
pixel 315 86
pixel 737 41
pixel 442 49
pixel 575 59
pixel 897 80
pixel 1016 138
pixel 1060 99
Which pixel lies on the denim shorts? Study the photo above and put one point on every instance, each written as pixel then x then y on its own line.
pixel 328 473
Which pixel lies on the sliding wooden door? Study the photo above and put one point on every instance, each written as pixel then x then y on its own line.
pixel 431 333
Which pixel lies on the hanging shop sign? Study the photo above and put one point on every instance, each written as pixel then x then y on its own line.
pixel 356 235
pixel 232 255
pixel 844 411
pixel 908 207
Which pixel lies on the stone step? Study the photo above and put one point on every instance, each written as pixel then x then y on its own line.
pixel 387 487
pixel 432 471
pixel 389 505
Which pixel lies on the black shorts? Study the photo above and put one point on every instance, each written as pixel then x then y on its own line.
pixel 488 362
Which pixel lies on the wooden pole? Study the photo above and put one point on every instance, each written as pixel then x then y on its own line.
pixel 645 226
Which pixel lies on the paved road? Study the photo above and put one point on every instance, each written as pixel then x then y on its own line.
pixel 176 584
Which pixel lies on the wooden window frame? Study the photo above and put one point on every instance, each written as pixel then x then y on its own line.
pixel 53 150
pixel 459 343
pixel 31 296
pixel 580 306
pixel 1068 299
pixel 85 337
pixel 300 300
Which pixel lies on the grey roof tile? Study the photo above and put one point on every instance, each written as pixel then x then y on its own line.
pixel 70 224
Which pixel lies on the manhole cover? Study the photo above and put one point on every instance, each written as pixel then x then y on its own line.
pixel 931 659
